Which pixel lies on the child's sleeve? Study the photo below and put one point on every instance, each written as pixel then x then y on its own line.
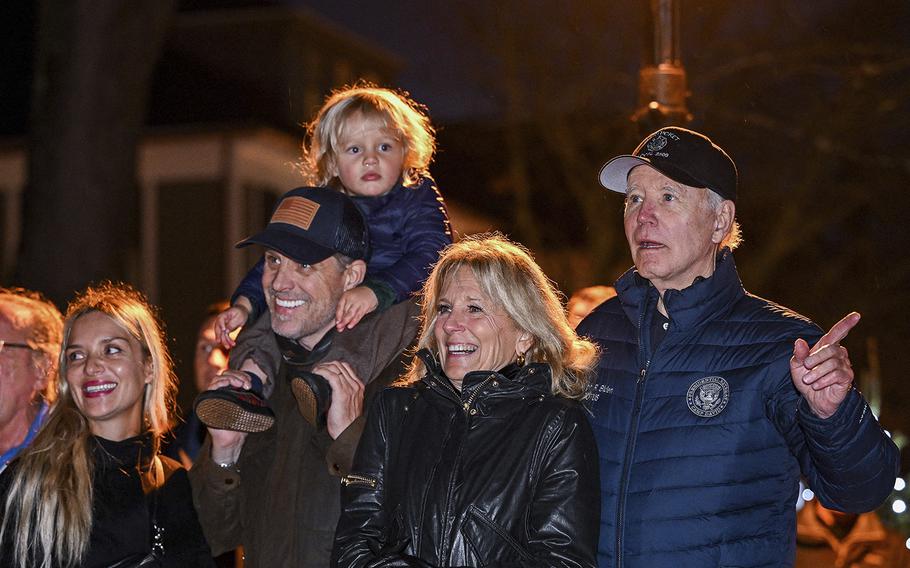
pixel 251 289
pixel 425 232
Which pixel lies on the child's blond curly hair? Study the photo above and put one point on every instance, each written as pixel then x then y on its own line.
pixel 395 109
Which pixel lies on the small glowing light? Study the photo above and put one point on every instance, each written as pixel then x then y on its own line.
pixel 898 506
pixel 899 484
pixel 907 543
pixel 808 495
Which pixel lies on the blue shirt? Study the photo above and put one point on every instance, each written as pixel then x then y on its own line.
pixel 11 453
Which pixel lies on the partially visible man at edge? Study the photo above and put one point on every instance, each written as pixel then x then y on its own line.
pixel 709 401
pixel 31 331
pixel 277 492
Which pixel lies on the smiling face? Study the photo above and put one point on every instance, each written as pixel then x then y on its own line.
pixel 370 157
pixel 472 333
pixel 672 229
pixel 302 297
pixel 107 371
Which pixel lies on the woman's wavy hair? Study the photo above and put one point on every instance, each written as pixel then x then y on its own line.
pixel 508 275
pixel 48 510
pixel 406 119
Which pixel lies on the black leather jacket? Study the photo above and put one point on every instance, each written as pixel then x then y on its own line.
pixel 502 473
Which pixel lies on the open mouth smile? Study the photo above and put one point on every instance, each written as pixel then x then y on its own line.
pixel 97 388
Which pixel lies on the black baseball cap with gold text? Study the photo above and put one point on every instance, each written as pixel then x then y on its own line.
pixel 685 156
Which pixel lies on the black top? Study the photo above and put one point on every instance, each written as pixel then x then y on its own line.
pixel 122 524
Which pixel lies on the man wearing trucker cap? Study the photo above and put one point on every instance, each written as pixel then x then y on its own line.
pixel 711 402
pixel 275 491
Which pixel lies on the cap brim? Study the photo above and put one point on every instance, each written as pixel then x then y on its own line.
pixel 615 173
pixel 293 246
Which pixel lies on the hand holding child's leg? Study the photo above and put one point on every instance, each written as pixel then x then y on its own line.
pixel 347 395
pixel 354 304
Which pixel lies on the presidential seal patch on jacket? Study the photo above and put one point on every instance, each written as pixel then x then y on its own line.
pixel 708 397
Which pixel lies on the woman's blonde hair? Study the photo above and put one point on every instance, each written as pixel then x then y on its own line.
pixel 406 119
pixel 48 511
pixel 508 275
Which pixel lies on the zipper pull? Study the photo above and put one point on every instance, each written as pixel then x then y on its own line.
pixel 354 479
pixel 641 374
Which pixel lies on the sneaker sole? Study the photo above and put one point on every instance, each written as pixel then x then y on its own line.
pixel 225 415
pixel 306 400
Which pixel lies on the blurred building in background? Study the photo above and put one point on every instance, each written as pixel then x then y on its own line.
pixel 229 98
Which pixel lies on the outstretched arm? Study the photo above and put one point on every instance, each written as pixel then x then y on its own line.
pixel 842 450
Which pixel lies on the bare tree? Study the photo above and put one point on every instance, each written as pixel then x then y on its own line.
pixel 551 67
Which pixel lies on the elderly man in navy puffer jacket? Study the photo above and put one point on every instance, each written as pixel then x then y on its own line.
pixel 710 402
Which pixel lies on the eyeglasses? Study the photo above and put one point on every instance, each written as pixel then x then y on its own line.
pixel 4 344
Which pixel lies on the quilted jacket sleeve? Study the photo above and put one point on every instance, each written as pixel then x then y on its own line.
pixel 251 288
pixel 426 232
pixel 847 459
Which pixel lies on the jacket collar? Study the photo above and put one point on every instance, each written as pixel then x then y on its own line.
pixel 370 204
pixel 530 380
pixel 703 301
pixel 296 354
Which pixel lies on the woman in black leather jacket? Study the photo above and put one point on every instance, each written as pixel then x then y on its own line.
pixel 92 490
pixel 481 455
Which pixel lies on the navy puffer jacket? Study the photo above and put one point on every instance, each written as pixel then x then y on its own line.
pixel 702 440
pixel 408 228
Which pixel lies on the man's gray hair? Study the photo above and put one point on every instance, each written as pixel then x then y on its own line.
pixel 44 324
pixel 734 236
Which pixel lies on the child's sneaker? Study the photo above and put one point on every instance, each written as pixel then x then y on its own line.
pixel 232 408
pixel 314 396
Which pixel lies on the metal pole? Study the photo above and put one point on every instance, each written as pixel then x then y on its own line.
pixel 662 87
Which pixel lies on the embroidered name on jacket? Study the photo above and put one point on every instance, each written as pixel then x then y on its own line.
pixel 708 397
pixel 594 391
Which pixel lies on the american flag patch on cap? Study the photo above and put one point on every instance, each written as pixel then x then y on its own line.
pixel 296 211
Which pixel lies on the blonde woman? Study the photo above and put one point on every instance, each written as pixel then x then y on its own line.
pixel 92 490
pixel 482 456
